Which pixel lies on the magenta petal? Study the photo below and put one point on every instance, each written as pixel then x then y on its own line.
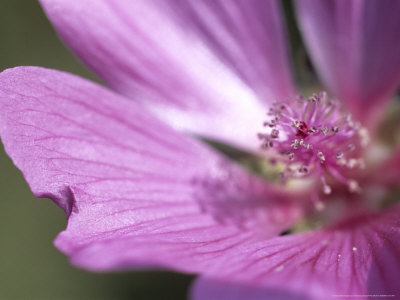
pixel 355 47
pixel 210 289
pixel 136 192
pixel 357 257
pixel 207 67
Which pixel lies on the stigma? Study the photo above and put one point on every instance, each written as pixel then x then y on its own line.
pixel 315 137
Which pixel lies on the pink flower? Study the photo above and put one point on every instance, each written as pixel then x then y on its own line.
pixel 138 193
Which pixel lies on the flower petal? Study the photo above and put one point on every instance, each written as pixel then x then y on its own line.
pixel 357 257
pixel 136 192
pixel 210 289
pixel 204 66
pixel 356 50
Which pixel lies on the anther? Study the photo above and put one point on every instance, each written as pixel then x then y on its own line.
pixel 326 189
pixel 313 129
pixel 354 186
pixel 352 163
pixel 274 133
pixel 351 147
pixel 268 144
pixel 303 170
pixel 291 156
pixel 314 137
pixel 295 144
pixel 321 156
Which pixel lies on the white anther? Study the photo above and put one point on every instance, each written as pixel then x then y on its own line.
pixel 303 170
pixel 295 144
pixel 339 155
pixel 274 133
pixel 354 187
pixel 326 189
pixel 352 163
pixel 321 156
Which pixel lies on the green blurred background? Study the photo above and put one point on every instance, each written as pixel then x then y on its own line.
pixel 30 266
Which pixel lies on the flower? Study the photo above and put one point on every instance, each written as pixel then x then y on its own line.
pixel 138 193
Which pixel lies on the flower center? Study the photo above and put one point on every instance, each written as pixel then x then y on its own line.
pixel 315 137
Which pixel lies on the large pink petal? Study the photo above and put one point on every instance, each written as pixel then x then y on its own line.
pixel 204 66
pixel 355 47
pixel 357 257
pixel 136 193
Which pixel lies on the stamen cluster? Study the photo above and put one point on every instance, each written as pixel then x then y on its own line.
pixel 315 137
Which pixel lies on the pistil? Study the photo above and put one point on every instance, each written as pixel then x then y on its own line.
pixel 315 137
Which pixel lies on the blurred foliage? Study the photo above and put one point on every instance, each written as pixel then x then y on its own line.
pixel 27 38
pixel 30 266
pixel 388 131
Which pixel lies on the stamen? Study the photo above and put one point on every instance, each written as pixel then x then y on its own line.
pixel 315 137
pixel 354 187
pixel 326 189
